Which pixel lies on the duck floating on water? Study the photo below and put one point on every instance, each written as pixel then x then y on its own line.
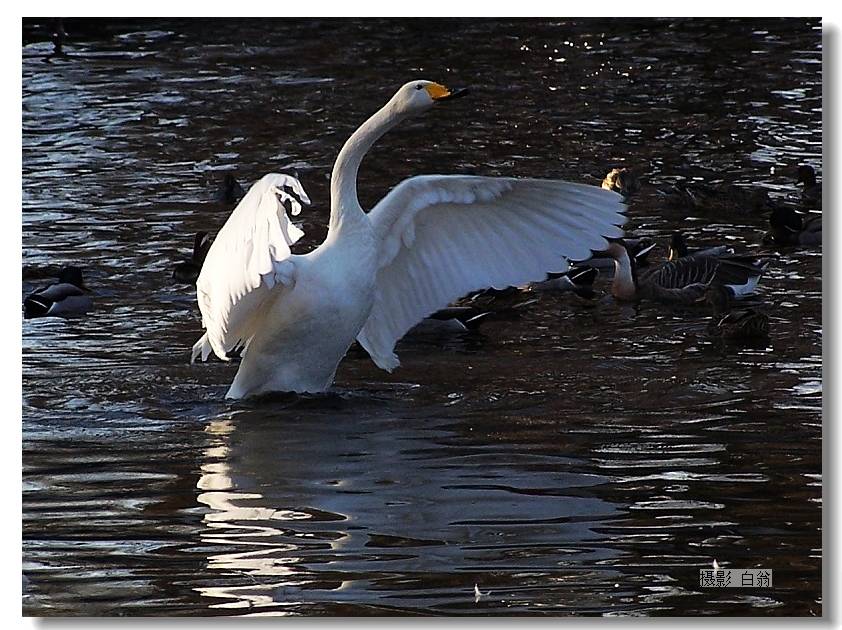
pixel 468 313
pixel 683 281
pixel 678 248
pixel 66 298
pixel 578 280
pixel 787 226
pixel 450 320
pixel 229 191
pixel 717 198
pixel 621 180
pixel 188 270
pixel 733 325
pixel 811 193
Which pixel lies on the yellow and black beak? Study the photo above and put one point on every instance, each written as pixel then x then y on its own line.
pixel 438 92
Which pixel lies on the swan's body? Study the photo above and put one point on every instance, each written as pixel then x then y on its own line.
pixel 431 240
pixel 306 329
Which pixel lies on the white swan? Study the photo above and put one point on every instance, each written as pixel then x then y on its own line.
pixel 429 241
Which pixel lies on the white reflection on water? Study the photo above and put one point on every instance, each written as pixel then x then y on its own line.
pixel 219 496
pixel 352 503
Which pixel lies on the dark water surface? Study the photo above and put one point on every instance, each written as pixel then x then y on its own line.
pixel 587 459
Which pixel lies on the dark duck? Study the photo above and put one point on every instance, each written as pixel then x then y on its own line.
pixel 188 270
pixel 66 298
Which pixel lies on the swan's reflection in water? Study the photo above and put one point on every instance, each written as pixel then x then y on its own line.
pixel 382 511
pixel 231 524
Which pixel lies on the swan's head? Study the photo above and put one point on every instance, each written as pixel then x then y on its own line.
pixel 418 96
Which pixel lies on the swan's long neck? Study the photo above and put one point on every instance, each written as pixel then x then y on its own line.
pixel 345 209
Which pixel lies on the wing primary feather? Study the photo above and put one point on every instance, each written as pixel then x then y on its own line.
pixel 444 236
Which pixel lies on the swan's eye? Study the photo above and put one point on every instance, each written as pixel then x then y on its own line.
pixel 419 86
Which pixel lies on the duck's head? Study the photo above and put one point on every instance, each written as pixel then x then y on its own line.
pixel 624 285
pixel 678 246
pixel 418 96
pixel 624 254
pixel 621 180
pixel 71 275
pixel 806 175
pixel 617 248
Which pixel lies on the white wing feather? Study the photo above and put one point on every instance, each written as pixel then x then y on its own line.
pixel 444 236
pixel 249 258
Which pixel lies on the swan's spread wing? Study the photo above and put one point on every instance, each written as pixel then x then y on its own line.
pixel 248 258
pixel 443 236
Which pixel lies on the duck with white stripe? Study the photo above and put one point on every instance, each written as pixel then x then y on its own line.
pixel 450 320
pixel 578 279
pixel 66 298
